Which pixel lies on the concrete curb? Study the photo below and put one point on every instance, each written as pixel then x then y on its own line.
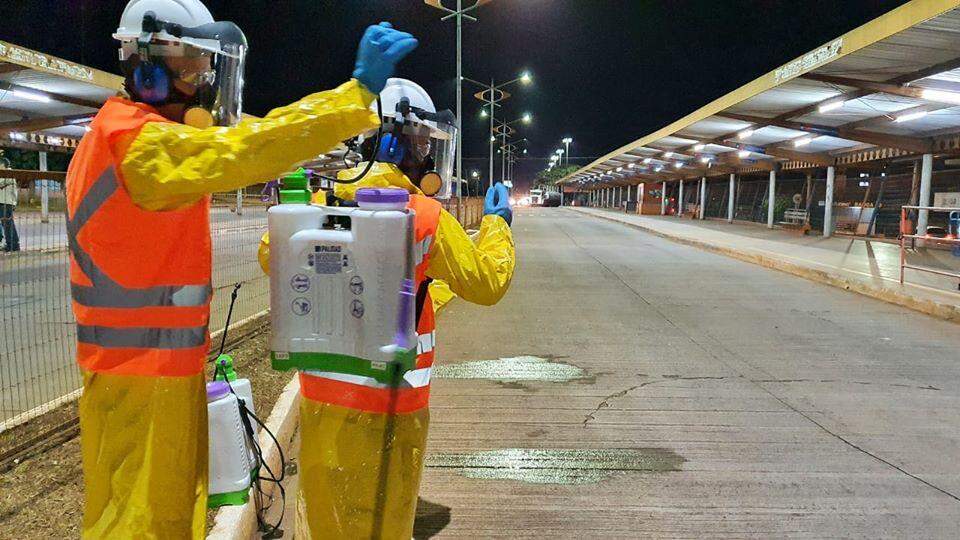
pixel 240 522
pixel 946 312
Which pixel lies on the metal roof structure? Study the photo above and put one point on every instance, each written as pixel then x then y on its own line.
pixel 46 102
pixel 888 89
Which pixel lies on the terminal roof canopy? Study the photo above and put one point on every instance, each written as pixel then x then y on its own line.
pixel 46 102
pixel 890 88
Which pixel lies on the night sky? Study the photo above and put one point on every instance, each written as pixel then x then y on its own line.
pixel 606 71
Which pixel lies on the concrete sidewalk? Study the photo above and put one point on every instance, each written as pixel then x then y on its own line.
pixel 870 267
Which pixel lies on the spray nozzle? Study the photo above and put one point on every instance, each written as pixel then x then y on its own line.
pixel 224 369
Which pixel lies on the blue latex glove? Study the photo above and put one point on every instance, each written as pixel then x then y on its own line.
pixel 381 48
pixel 497 203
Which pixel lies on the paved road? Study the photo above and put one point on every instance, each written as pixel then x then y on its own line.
pixel 36 323
pixel 630 387
pixel 797 409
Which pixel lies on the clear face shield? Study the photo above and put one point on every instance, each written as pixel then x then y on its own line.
pixel 443 155
pixel 425 150
pixel 199 69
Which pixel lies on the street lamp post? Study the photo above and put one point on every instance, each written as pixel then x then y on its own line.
pixel 492 95
pixel 504 130
pixel 460 13
pixel 566 141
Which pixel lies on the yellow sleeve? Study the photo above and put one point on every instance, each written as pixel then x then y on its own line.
pixel 168 165
pixel 479 270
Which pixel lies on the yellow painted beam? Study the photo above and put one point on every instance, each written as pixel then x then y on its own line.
pixel 45 63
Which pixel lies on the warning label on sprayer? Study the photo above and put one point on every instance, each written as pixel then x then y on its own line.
pixel 327 259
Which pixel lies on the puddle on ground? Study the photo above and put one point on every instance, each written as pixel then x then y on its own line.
pixel 557 466
pixel 512 370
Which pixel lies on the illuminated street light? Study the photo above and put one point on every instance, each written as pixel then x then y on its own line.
pixel 911 116
pixel 831 105
pixel 567 141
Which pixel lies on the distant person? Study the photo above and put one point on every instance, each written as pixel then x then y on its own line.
pixel 8 202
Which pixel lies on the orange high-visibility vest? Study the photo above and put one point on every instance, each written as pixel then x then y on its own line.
pixel 140 280
pixel 414 393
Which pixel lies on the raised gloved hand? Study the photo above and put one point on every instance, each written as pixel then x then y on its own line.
pixel 381 48
pixel 497 203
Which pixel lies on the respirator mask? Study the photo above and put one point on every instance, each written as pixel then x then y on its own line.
pixel 199 68
pixel 423 146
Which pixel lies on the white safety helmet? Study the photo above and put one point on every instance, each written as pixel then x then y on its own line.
pixel 152 30
pixel 188 13
pixel 421 141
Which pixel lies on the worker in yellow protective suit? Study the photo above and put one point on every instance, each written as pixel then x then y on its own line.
pixel 363 442
pixel 138 223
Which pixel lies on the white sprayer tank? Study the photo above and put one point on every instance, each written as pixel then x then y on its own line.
pixel 229 455
pixel 335 273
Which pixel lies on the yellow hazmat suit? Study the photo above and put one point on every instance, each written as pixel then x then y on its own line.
pixel 340 494
pixel 143 430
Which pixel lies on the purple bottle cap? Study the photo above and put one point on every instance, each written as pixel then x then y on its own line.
pixel 382 196
pixel 216 390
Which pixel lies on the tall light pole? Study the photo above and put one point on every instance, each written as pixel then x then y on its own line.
pixel 493 94
pixel 460 13
pixel 504 130
pixel 566 141
pixel 513 149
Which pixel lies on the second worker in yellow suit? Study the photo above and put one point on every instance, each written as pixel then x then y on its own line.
pixel 344 458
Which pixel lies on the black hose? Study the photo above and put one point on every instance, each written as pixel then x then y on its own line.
pixel 370 162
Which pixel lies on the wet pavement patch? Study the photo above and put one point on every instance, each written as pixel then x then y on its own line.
pixel 512 370
pixel 557 466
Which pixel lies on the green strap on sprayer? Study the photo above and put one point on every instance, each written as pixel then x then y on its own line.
pixel 349 365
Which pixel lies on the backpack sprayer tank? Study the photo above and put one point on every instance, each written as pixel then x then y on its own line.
pixel 341 283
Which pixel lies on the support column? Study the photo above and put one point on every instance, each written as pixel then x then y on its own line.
pixel 771 198
pixel 828 203
pixel 731 198
pixel 663 199
pixel 926 184
pixel 703 198
pixel 680 201
pixel 44 191
pixel 240 202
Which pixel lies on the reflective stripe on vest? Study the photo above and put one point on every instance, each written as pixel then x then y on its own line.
pixel 105 292
pixel 422 249
pixel 425 342
pixel 142 338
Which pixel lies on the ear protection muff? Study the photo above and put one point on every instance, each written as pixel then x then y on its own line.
pixel 391 149
pixel 152 81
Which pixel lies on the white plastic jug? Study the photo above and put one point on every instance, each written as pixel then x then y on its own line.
pixel 335 274
pixel 229 457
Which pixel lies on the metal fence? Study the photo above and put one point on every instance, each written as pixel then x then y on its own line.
pixel 37 330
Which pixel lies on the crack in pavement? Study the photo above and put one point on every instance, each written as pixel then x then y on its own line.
pixel 830 381
pixel 606 401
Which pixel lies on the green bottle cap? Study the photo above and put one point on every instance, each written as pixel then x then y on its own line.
pixel 295 188
pixel 225 369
